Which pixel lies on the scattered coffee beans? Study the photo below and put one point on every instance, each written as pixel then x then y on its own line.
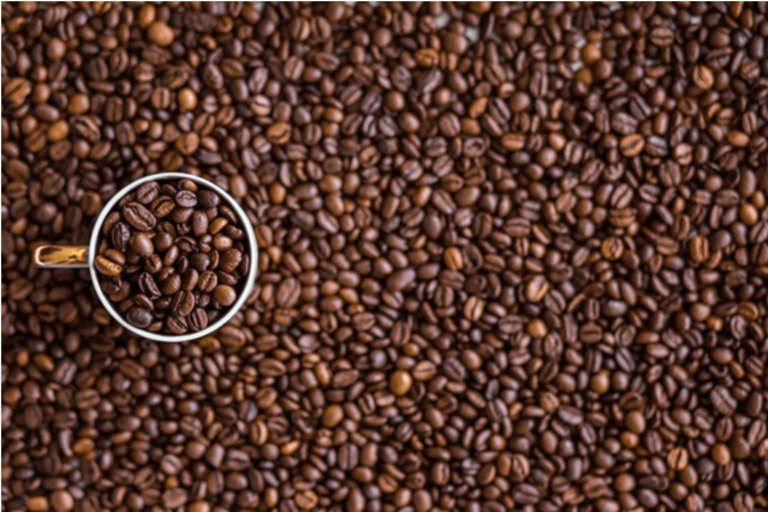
pixel 514 257
pixel 173 257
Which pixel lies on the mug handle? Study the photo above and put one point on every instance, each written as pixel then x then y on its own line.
pixel 61 256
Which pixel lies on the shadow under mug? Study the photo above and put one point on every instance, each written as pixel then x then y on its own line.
pixel 74 257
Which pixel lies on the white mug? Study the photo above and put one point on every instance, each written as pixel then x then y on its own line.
pixel 73 257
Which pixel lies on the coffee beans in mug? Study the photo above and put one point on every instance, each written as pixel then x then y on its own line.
pixel 155 249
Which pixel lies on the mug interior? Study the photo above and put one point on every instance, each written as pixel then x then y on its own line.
pixel 253 253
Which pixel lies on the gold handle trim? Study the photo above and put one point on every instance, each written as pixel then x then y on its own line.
pixel 61 256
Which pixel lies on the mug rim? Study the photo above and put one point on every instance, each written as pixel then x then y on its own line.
pixel 250 278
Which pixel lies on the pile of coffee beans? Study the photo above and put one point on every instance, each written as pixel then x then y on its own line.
pixel 513 256
pixel 173 257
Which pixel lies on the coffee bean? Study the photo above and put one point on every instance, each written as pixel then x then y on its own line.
pixel 183 303
pixel 453 258
pixel 138 216
pixel 441 473
pixel 176 325
pixel 224 295
pixel 525 494
pixel 62 500
pixel 174 498
pixel 631 145
pixel 162 35
pixel 208 199
pixel 272 368
pixel 662 36
pixel 37 504
pixel 513 141
pixel 422 501
pixel 162 206
pixel 207 282
pixel 570 415
pixel 120 235
pixel 147 192
pixel 199 223
pixel 401 279
pixel 198 319
pixel 279 133
pixel 702 77
pixel 148 286
pixel 142 245
pixel 612 248
pixel 306 500
pixel 677 459
pixel 171 465
pixel 355 501
pixel 721 455
pixel 594 487
pixel 536 289
pixel 186 199
pixel 138 317
pixel 288 293
pixel 230 259
pixel 107 267
pixel 187 99
pixel 699 249
pixel 16 89
pixel 623 123
pixel 400 383
pixel 722 400
pixel 333 415
pixel 635 422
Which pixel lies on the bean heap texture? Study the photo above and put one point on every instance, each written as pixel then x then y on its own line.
pixel 512 257
pixel 172 257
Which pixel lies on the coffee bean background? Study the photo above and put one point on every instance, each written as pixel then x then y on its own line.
pixel 512 257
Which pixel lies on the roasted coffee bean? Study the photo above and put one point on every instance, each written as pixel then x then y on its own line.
pixel 230 259
pixel 183 303
pixel 141 245
pixel 107 267
pixel 662 36
pixel 120 235
pixel 186 199
pixel 148 286
pixel 722 400
pixel 207 281
pixel 208 199
pixel 147 192
pixel 175 325
pixel 631 145
pixel 138 216
pixel 536 289
pixel 162 206
pixel 512 256
pixel 198 319
pixel 138 317
pixel 703 78
pixel 199 223
pixel 677 459
pixel 224 295
pixel 525 494
pixel 288 293
pixel 400 382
